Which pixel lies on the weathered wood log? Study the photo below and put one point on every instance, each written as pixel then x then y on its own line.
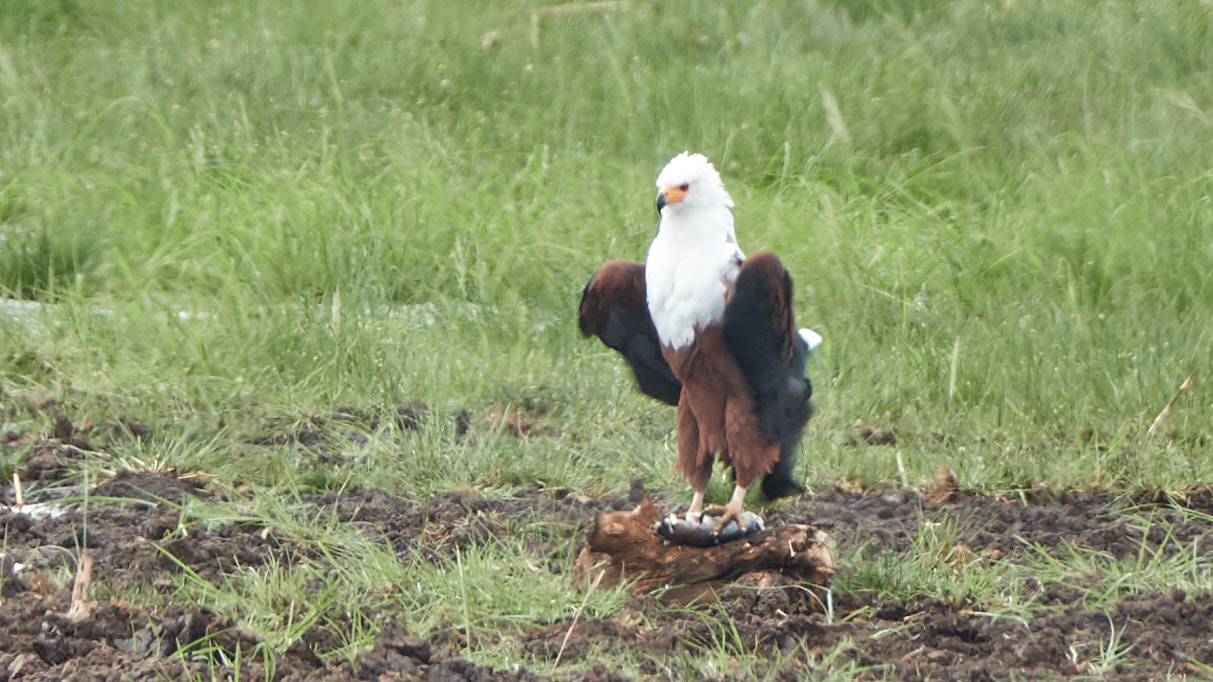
pixel 622 547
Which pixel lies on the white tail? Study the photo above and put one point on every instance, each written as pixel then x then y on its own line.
pixel 812 338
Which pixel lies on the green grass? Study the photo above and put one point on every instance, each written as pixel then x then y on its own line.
pixel 999 220
pixel 998 215
pixel 1102 579
pixel 939 566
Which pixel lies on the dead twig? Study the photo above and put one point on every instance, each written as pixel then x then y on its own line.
pixel 17 490
pixel 81 607
pixel 1162 415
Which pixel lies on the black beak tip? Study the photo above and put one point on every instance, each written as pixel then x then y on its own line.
pixel 661 202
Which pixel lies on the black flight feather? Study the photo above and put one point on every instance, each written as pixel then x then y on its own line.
pixel 760 333
pixel 614 307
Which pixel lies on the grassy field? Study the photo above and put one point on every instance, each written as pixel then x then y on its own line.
pixel 997 214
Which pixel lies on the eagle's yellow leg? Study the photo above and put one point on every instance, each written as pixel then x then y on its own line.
pixel 695 511
pixel 733 510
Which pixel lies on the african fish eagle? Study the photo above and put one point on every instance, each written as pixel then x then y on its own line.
pixel 711 331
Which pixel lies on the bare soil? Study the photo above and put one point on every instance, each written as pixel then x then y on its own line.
pixel 133 547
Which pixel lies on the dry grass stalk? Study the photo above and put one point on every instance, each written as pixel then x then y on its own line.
pixel 576 616
pixel 1162 415
pixel 572 7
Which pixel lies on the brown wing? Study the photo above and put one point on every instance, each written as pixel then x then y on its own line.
pixel 760 332
pixel 614 308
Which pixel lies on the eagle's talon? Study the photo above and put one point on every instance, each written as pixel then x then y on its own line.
pixel 730 514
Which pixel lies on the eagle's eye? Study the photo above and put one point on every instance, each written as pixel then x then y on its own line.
pixel 684 186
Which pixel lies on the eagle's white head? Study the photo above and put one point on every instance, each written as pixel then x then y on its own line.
pixel 689 183
pixel 693 260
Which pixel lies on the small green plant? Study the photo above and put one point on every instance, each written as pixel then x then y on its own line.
pixel 939 565
pixel 1112 654
pixel 1162 562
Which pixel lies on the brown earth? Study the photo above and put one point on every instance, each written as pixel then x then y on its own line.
pixel 133 546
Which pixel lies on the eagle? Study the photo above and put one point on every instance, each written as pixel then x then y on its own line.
pixel 707 329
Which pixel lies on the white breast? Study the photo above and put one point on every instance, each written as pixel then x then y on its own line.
pixel 690 267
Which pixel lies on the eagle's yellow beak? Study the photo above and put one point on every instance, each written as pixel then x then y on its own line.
pixel 670 195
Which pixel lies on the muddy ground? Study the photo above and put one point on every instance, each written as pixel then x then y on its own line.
pixel 133 547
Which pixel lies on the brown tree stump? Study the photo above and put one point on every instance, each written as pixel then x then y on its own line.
pixel 622 547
